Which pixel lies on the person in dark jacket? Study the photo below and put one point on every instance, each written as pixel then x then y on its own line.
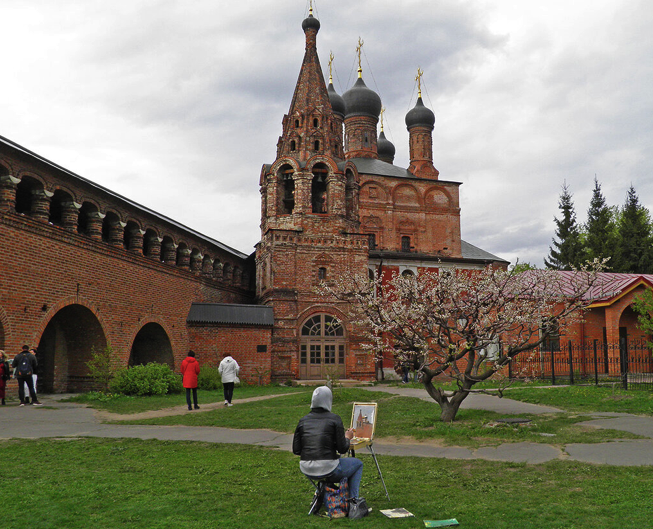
pixel 319 439
pixel 190 369
pixel 5 374
pixel 25 365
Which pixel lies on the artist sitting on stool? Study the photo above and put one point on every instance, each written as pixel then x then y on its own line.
pixel 319 437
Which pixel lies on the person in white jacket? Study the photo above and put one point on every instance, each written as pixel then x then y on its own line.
pixel 229 369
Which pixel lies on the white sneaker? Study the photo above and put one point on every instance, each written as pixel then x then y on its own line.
pixel 226 403
pixel 229 404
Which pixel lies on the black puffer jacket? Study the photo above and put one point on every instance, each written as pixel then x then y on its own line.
pixel 319 435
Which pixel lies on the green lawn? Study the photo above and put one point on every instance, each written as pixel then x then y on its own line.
pixel 398 417
pixel 112 483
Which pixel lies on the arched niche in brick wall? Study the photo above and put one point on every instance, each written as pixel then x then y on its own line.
pixel 437 198
pixel 373 192
pixel 406 195
pixel 66 345
pixel 151 344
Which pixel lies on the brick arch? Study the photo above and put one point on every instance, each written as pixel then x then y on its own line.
pixel 274 169
pixel 383 196
pixel 5 329
pixel 151 342
pixel 73 193
pixel 313 310
pixel 68 335
pixel 33 176
pixel 406 195
pixel 326 160
pixel 5 168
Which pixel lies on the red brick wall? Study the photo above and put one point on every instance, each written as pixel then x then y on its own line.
pixel 249 346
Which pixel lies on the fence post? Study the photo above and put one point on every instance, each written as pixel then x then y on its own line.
pixel 623 357
pixel 553 370
pixel 596 367
pixel 571 363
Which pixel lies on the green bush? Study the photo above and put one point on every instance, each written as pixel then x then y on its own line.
pixel 209 378
pixel 150 379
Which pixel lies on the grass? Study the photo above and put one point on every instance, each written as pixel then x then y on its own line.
pixel 127 405
pixel 404 417
pixel 109 483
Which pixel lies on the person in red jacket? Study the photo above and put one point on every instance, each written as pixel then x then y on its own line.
pixel 190 368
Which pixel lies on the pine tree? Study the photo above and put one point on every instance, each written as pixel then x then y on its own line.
pixel 567 251
pixel 600 229
pixel 635 255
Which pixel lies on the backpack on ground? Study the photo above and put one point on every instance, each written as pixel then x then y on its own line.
pixel 25 367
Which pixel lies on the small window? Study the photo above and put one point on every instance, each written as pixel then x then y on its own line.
pixel 321 273
pixel 552 342
pixel 316 123
pixel 366 140
pixel 371 240
pixel 405 244
pixel 317 145
pixel 407 273
pixel 293 145
pixel 296 123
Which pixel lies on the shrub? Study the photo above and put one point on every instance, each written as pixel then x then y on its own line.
pixel 209 378
pixel 101 367
pixel 150 379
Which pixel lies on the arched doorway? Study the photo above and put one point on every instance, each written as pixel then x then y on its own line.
pixel 151 345
pixel 322 348
pixel 67 344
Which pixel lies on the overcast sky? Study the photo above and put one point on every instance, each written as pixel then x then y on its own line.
pixel 177 104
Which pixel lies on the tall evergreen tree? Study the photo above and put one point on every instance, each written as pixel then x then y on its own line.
pixel 635 255
pixel 600 229
pixel 567 251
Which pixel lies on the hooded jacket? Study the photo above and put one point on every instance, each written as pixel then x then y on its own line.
pixel 229 369
pixel 320 436
pixel 190 368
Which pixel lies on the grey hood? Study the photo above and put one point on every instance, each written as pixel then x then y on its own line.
pixel 322 398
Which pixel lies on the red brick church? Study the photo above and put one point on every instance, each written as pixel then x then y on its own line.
pixel 84 268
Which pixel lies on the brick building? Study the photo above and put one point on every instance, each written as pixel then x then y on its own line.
pixel 84 268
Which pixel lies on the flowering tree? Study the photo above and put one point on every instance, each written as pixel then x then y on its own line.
pixel 466 325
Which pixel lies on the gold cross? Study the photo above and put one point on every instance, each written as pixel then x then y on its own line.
pixel 381 117
pixel 358 50
pixel 419 82
pixel 330 67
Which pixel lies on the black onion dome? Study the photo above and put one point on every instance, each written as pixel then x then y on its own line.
pixel 361 101
pixel 311 23
pixel 384 147
pixel 337 102
pixel 420 115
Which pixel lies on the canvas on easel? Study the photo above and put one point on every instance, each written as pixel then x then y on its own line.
pixel 363 421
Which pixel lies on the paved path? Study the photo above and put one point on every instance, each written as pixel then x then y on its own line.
pixel 65 420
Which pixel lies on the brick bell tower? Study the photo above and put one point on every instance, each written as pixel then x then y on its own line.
pixel 310 232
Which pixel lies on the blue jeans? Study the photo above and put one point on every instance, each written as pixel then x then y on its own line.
pixel 350 468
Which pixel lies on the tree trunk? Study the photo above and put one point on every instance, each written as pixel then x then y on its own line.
pixel 448 405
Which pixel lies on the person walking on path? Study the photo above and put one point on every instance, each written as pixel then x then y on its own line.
pixel 190 369
pixel 5 374
pixel 25 364
pixel 34 378
pixel 229 370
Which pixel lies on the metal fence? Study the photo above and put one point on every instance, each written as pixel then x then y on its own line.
pixel 629 363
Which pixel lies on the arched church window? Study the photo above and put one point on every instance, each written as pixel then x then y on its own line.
pixel 296 123
pixel 316 122
pixel 293 145
pixel 319 195
pixel 322 347
pixel 317 145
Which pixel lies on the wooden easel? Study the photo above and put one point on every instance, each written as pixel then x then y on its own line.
pixel 361 442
